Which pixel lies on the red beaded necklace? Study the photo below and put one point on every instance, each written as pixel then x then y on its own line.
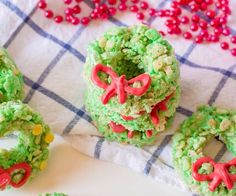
pixel 208 21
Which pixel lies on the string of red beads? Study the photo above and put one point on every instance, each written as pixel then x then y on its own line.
pixel 208 22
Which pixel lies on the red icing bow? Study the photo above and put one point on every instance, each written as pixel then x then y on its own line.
pixel 5 175
pixel 219 175
pixel 119 85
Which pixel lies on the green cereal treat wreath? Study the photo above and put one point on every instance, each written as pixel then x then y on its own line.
pixel 132 81
pixel 22 162
pixel 201 173
pixel 11 80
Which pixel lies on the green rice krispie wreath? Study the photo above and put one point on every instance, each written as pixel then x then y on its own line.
pixel 22 162
pixel 201 173
pixel 132 81
pixel 11 80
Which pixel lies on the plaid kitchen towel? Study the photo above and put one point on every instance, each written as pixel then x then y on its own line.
pixel 51 57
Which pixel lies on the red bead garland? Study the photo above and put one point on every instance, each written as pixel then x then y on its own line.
pixel 144 5
pixel 140 16
pixel 48 14
pixel 133 8
pixel 187 35
pixel 42 4
pixel 85 21
pixel 122 7
pixel 205 23
pixel 233 51
pixel 233 39
pixel 224 45
pixel 76 9
pixel 58 19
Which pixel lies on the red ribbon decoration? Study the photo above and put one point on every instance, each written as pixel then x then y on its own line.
pixel 220 173
pixel 5 175
pixel 119 85
pixel 159 106
pixel 117 128
pixel 127 118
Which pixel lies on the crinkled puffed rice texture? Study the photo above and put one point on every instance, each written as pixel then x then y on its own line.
pixel 33 135
pixel 193 135
pixel 132 51
pixel 11 80
pixel 102 116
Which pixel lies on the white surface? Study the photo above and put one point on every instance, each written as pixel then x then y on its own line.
pixel 75 174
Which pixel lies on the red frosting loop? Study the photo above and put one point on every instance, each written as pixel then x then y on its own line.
pixel 149 133
pixel 219 175
pixel 119 85
pixel 117 128
pixel 159 106
pixel 5 175
pixel 130 134
pixel 127 118
pixel 5 179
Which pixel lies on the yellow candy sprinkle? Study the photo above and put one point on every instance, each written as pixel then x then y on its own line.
pixel 43 165
pixel 16 72
pixel 37 129
pixel 49 138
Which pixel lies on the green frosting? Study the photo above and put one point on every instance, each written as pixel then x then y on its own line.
pixel 194 133
pixel 133 51
pixel 33 135
pixel 11 80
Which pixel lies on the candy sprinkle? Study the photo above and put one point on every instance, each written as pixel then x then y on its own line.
pixel 49 138
pixel 37 129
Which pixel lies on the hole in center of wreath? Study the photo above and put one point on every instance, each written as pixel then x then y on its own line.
pixel 17 175
pixel 8 142
pixel 217 150
pixel 123 67
pixel 128 68
pixel 125 62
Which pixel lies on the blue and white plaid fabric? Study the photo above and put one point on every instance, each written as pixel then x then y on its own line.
pixel 52 56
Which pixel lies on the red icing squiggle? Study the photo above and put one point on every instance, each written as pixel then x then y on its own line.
pixel 149 133
pixel 219 175
pixel 130 134
pixel 127 118
pixel 119 85
pixel 5 179
pixel 154 117
pixel 5 175
pixel 159 106
pixel 141 112
pixel 117 128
